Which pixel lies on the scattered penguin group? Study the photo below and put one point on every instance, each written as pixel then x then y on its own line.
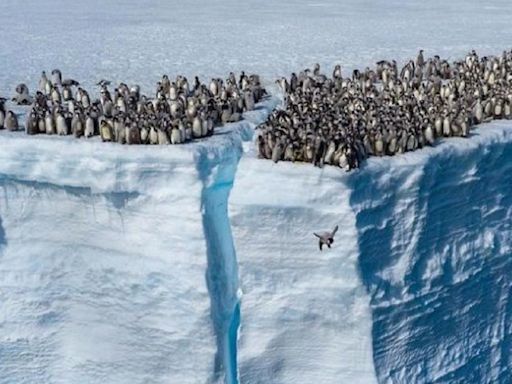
pixel 177 113
pixel 382 111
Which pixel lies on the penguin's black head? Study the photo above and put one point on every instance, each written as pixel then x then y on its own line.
pixel 330 240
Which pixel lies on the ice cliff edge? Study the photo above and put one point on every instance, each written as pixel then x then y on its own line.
pixel 193 266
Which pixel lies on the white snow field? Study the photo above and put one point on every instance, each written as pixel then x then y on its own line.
pixel 197 263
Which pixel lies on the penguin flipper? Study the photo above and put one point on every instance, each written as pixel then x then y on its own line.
pixel 335 230
pixel 320 244
pixel 317 235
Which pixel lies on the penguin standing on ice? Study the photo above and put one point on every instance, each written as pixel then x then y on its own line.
pixel 2 112
pixel 326 238
pixel 11 121
pixel 56 77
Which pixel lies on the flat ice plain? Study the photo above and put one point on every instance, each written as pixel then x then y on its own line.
pixel 195 264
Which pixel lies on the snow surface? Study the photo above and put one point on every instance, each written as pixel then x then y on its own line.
pixel 122 264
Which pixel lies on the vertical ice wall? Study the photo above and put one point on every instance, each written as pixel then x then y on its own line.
pixel 127 253
pixel 120 265
pixel 435 241
pixel 102 277
pixel 305 316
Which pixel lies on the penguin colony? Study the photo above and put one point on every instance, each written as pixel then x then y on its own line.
pixel 179 111
pixel 325 120
pixel 384 111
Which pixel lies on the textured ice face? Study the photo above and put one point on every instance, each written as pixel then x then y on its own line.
pixel 102 277
pixel 429 233
pixel 117 262
pixel 305 314
pixel 435 245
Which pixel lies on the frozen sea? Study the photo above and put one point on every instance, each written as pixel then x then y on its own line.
pixel 196 264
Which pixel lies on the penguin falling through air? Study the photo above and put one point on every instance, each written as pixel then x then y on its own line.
pixel 326 238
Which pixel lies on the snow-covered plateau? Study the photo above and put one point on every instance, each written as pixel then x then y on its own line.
pixel 196 264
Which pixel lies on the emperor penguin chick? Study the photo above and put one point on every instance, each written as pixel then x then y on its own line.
pixel 106 131
pixel 326 238
pixel 11 121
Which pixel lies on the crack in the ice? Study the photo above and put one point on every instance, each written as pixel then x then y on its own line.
pixel 217 168
pixel 3 239
pixel 222 270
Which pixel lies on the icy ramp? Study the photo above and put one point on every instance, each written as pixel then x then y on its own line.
pixel 305 313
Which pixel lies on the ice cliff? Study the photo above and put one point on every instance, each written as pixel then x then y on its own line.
pixel 434 235
pixel 197 264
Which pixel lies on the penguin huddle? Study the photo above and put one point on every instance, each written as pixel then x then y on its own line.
pixel 335 120
pixel 384 111
pixel 176 114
